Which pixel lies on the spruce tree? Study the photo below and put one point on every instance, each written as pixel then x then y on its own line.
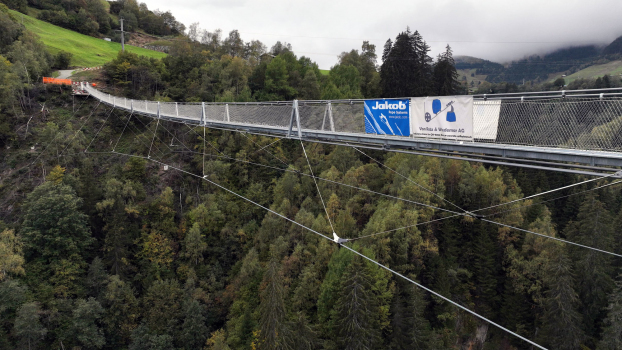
pixel 272 326
pixel 193 330
pixel 561 321
pixel 445 74
pixel 86 324
pixel 406 69
pixel 593 269
pixel 410 330
pixel 611 338
pixel 356 309
pixel 27 327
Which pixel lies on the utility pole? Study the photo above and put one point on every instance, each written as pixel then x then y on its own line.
pixel 122 35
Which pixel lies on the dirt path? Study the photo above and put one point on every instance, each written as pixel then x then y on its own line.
pixel 64 74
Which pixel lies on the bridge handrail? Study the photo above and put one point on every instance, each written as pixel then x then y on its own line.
pixel 590 124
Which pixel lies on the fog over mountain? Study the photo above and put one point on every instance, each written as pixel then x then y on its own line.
pixel 495 30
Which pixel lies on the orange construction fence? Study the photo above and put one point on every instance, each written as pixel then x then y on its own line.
pixel 47 80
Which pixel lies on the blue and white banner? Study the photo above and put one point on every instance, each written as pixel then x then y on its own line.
pixel 387 117
pixel 446 117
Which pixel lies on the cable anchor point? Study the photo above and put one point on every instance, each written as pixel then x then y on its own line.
pixel 475 216
pixel 339 240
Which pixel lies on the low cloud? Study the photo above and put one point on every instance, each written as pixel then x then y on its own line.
pixel 494 30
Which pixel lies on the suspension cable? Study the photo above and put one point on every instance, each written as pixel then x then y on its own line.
pixel 337 183
pixel 316 186
pixel 204 141
pixel 554 199
pixel 551 237
pixel 547 192
pixel 57 133
pixel 409 179
pixel 100 129
pixel 348 248
pixel 405 227
pixel 80 129
pixel 154 136
pixel 457 214
pixel 122 132
pixel 268 145
pixel 263 148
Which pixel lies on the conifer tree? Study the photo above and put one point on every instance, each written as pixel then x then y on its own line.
pixel 611 338
pixel 593 269
pixel 356 309
pixel 193 330
pixel 28 328
pixel 86 318
pixel 121 310
pixel 406 69
pixel 561 321
pixel 445 74
pixel 410 330
pixel 97 278
pixel 273 330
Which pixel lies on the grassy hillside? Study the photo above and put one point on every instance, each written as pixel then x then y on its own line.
pixel 470 76
pixel 613 68
pixel 87 51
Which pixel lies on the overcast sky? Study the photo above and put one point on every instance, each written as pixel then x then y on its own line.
pixel 498 30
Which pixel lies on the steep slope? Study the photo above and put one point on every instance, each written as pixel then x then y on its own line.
pixel 614 48
pixel 613 68
pixel 87 51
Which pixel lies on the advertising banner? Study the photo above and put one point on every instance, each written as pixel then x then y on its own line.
pixel 486 119
pixel 446 117
pixel 387 117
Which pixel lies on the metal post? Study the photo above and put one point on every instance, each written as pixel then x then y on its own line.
pixel 203 113
pixel 176 109
pixel 325 113
pixel 291 119
pixel 330 117
pixel 158 109
pixel 146 107
pixel 297 119
pixel 114 101
pixel 227 112
pixel 132 105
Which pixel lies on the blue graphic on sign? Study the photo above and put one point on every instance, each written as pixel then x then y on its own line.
pixel 387 117
pixel 436 109
pixel 451 115
pixel 436 106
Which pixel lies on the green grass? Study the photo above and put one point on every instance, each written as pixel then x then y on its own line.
pixel 87 51
pixel 613 68
pixel 324 71
pixel 87 75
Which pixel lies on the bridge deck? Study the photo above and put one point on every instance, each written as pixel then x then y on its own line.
pixel 585 131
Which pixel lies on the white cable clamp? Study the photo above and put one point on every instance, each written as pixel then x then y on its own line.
pixel 339 240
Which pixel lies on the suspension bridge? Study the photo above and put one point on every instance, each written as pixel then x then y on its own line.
pixel 546 131
pixel 576 131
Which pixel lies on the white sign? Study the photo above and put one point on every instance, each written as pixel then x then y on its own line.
pixel 446 117
pixel 486 119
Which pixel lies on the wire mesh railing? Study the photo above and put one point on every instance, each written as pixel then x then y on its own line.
pixel 585 123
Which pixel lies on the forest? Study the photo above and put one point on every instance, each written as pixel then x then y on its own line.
pixel 102 250
pixel 147 258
